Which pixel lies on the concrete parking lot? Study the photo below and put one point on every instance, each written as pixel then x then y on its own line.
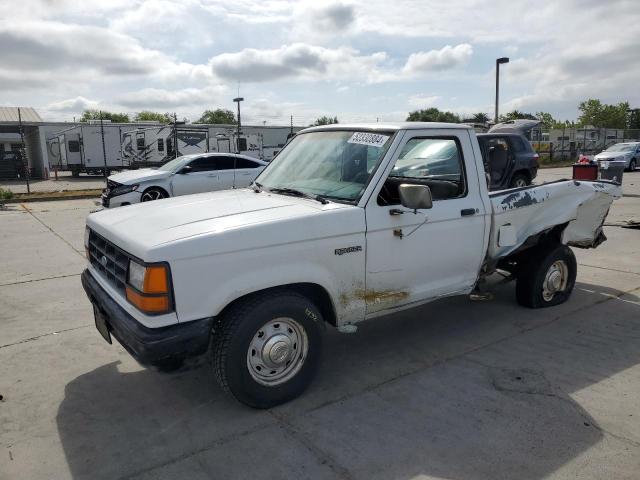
pixel 452 390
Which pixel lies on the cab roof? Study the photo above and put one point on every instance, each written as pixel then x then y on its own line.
pixel 387 126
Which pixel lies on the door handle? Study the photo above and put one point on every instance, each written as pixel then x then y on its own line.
pixel 212 175
pixel 465 212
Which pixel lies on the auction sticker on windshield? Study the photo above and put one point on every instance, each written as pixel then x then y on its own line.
pixel 370 139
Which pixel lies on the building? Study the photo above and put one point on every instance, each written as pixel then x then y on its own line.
pixel 46 144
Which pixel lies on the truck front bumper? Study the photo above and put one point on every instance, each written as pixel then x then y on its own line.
pixel 149 346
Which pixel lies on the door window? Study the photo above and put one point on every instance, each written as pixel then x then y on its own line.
pixel 224 163
pixel 434 162
pixel 160 145
pixel 204 164
pixel 74 146
pixel 140 143
pixel 246 163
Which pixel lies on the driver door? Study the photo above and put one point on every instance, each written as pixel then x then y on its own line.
pixel 416 256
pixel 203 177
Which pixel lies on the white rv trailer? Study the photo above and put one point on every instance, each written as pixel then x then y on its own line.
pixel 156 145
pixel 223 139
pixel 80 148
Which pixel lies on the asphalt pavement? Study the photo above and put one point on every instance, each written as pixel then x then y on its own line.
pixel 452 390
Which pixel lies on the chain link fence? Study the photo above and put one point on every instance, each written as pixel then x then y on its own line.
pixel 560 145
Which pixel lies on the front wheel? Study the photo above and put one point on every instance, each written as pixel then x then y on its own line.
pixel 266 348
pixel 151 194
pixel 547 277
pixel 632 165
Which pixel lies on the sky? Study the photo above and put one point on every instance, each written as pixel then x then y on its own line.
pixel 359 60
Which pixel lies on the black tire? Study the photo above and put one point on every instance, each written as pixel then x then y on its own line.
pixel 632 165
pixel 238 328
pixel 530 283
pixel 519 180
pixel 153 193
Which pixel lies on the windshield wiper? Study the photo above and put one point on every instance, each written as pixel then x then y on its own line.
pixel 297 193
pixel 257 187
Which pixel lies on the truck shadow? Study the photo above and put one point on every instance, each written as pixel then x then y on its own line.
pixel 454 389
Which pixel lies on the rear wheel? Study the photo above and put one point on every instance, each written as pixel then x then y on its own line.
pixel 153 193
pixel 547 277
pixel 267 347
pixel 519 180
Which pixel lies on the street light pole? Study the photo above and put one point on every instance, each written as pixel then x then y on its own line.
pixel 498 62
pixel 238 100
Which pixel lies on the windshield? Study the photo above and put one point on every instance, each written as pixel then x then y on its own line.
pixel 620 147
pixel 332 164
pixel 175 164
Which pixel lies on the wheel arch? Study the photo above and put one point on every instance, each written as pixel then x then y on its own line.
pixel 313 291
pixel 522 171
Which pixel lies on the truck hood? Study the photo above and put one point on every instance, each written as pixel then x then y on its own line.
pixel 181 227
pixel 131 177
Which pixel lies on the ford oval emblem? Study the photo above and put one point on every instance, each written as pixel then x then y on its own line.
pixel 103 261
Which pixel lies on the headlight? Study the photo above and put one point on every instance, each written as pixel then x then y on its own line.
pixel 122 189
pixel 148 287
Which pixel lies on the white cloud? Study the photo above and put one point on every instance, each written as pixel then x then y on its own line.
pixel 297 61
pixel 162 99
pixel 73 105
pixel 446 58
pixel 422 101
pixel 55 46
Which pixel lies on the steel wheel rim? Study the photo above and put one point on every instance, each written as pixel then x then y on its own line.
pixel 151 195
pixel 555 280
pixel 277 351
pixel 521 182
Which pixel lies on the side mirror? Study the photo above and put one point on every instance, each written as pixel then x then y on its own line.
pixel 185 169
pixel 415 197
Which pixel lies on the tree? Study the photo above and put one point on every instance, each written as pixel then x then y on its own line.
pixel 92 114
pixel 602 115
pixel 516 115
pixel 480 117
pixel 548 122
pixel 324 120
pixel 433 115
pixel 218 116
pixel 147 116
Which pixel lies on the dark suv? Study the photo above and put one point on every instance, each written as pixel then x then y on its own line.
pixel 509 159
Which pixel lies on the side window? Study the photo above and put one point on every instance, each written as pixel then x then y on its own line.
pixel 160 145
pixel 245 163
pixel 140 143
pixel 203 164
pixel 519 144
pixel 224 163
pixel 74 146
pixel 169 146
pixel 434 162
pixel 498 144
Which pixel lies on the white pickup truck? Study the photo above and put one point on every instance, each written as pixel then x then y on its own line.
pixel 348 223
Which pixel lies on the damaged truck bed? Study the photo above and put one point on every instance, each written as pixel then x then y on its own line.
pixel 577 208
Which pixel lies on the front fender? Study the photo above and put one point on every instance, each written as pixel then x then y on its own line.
pixel 204 286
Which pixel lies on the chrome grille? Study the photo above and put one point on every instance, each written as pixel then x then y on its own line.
pixel 110 260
